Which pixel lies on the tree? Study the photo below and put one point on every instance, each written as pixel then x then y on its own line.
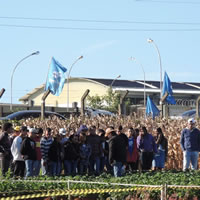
pixel 95 101
pixel 109 101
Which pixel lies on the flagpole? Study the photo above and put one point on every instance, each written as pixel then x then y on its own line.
pixel 48 70
pixel 47 76
pixel 68 80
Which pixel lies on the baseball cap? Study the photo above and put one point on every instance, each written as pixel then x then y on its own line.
pixel 17 128
pixel 33 130
pixel 82 128
pixel 191 120
pixel 62 131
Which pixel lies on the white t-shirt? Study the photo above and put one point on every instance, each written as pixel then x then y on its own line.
pixel 15 149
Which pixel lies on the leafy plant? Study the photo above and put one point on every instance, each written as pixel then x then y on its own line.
pixel 39 184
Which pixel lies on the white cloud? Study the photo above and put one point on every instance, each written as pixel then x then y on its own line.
pixel 96 47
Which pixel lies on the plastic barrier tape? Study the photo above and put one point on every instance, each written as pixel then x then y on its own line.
pixel 78 192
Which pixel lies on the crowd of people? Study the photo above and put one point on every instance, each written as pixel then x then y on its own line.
pixel 116 145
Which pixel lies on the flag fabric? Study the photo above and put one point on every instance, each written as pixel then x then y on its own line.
pixel 167 87
pixel 56 77
pixel 151 109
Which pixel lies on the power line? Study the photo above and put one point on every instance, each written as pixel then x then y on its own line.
pixel 100 21
pixel 98 29
pixel 172 2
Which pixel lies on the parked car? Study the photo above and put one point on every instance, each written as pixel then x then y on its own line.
pixel 189 113
pixel 98 112
pixel 24 114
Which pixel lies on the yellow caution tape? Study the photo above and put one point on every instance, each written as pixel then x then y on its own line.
pixel 42 193
pixel 79 192
pixel 185 187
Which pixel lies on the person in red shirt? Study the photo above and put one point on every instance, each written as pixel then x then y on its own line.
pixel 132 152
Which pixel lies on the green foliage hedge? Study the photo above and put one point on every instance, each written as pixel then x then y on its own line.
pixel 10 187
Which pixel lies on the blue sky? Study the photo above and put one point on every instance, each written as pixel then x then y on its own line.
pixel 116 30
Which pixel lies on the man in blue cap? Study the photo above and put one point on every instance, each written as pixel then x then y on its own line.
pixel 83 129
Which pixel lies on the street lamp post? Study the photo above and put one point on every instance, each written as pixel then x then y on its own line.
pixel 151 41
pixel 11 81
pixel 114 81
pixel 68 80
pixel 133 58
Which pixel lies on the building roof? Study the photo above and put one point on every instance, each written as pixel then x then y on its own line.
pixel 178 87
pixel 118 83
pixel 149 84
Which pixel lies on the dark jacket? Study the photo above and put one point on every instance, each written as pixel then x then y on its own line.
pixel 190 140
pixel 106 149
pixel 117 150
pixel 70 151
pixel 28 149
pixel 125 138
pixel 95 142
pixel 5 145
pixel 54 153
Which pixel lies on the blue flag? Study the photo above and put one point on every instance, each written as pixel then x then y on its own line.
pixel 55 78
pixel 167 87
pixel 151 109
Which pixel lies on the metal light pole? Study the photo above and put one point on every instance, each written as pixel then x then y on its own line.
pixel 133 58
pixel 114 81
pixel 68 80
pixel 151 41
pixel 11 81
